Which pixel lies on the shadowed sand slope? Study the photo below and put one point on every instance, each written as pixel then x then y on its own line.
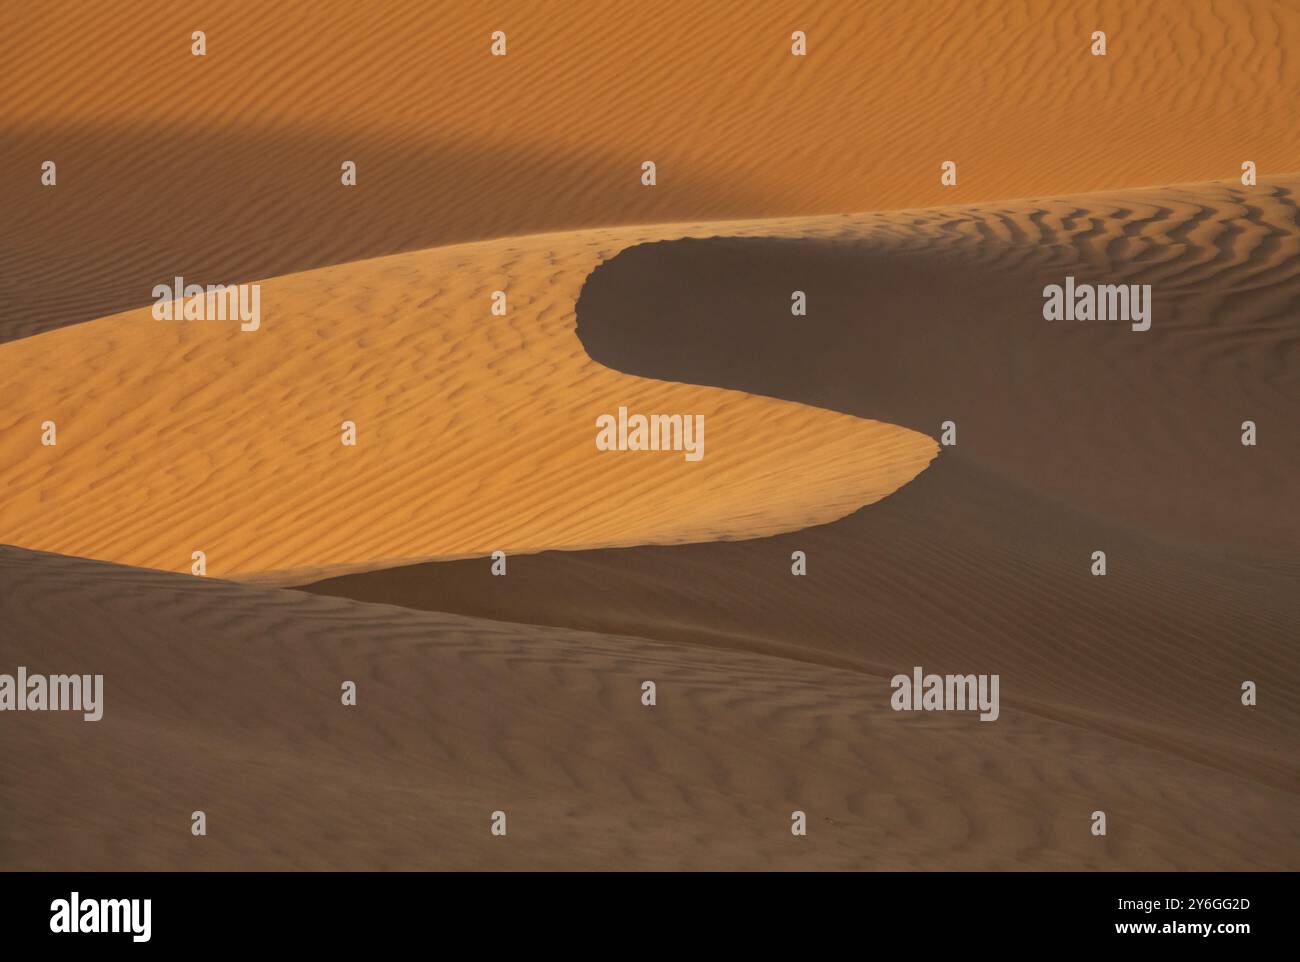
pixel 1072 437
pixel 226 167
pixel 475 432
pixel 922 317
pixel 225 698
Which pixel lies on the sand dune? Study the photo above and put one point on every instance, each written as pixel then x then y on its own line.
pixel 1072 437
pixel 1120 692
pixel 227 165
pixel 476 432
pixel 458 405
pixel 225 698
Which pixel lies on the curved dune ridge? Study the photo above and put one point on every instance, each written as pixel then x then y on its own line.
pixel 922 316
pixel 226 167
pixel 456 406
pixel 476 433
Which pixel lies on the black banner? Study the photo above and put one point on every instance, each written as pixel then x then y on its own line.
pixel 143 911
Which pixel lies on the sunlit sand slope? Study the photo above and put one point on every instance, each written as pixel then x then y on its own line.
pixel 475 432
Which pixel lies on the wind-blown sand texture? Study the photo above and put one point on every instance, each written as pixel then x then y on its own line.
pixel 226 167
pixel 226 695
pixel 476 433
